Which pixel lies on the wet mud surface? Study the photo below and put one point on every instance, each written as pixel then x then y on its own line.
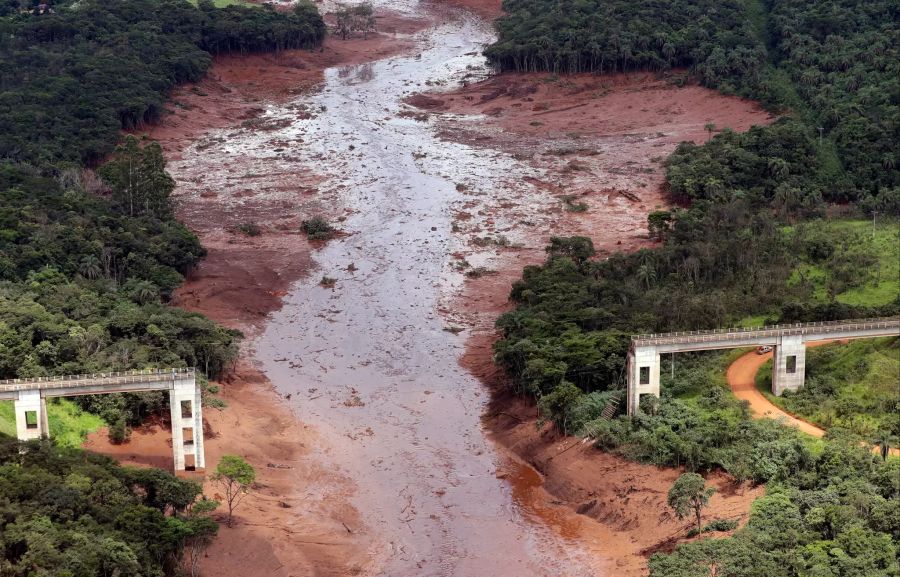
pixel 367 397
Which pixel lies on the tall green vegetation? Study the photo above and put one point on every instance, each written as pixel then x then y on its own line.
pixel 833 65
pixel 71 80
pixel 844 61
pixel 751 243
pixel 717 40
pixel 67 512
pixel 89 258
pixel 855 386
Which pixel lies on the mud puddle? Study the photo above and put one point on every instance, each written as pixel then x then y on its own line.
pixel 372 362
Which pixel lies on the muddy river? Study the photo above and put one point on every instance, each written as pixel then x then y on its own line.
pixel 371 361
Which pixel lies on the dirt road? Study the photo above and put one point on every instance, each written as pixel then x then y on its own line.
pixel 741 378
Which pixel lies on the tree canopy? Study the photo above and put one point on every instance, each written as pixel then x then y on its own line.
pixel 69 512
pixel 72 79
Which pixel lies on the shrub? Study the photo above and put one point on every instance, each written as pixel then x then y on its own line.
pixel 119 431
pixel 317 228
pixel 250 229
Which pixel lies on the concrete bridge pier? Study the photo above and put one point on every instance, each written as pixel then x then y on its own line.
pixel 789 364
pixel 31 415
pixel 643 375
pixel 187 424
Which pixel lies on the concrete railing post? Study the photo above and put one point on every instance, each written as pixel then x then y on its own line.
pixel 642 375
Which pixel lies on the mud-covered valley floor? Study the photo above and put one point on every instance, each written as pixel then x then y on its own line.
pixel 364 405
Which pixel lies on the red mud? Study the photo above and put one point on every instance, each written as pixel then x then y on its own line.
pixel 297 521
pixel 487 9
pixel 601 141
pixel 243 278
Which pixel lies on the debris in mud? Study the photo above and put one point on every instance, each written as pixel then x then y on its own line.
pixel 266 124
pixel 479 272
pixel 278 466
pixel 354 400
pixel 423 101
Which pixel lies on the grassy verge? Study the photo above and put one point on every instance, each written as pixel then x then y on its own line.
pixel 852 260
pixel 69 425
pixel 853 385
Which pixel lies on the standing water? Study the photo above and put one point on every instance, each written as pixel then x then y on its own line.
pixel 369 361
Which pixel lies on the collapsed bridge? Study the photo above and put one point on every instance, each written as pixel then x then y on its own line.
pixel 30 399
pixel 788 341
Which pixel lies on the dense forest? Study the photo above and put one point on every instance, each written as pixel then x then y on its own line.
pixel 750 243
pixel 90 252
pixel 66 512
pixel 70 80
pixel 833 65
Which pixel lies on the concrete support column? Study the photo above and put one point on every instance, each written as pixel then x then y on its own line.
pixel 643 375
pixel 789 364
pixel 187 423
pixel 31 416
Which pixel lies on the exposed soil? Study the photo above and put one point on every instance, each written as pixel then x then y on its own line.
pixel 243 278
pixel 741 378
pixel 298 521
pixel 599 141
pixel 626 499
pixel 487 9
pixel 373 346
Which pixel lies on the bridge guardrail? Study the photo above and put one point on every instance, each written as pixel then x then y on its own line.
pixel 114 378
pixel 685 337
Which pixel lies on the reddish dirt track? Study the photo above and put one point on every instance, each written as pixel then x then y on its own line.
pixel 741 377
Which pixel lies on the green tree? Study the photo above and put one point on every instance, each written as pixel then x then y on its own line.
pixel 578 248
pixel 884 440
pixel 201 530
pixel 689 494
pixel 235 476
pixel 138 179
pixel 659 222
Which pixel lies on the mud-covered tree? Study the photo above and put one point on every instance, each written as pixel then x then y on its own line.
pixel 689 495
pixel 355 18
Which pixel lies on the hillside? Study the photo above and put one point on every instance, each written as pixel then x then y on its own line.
pixel 90 252
pixel 752 239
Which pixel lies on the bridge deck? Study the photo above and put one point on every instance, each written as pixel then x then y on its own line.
pixel 722 338
pixel 128 381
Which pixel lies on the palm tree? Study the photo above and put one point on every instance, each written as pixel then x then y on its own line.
pixel 646 273
pixel 89 267
pixel 710 128
pixel 144 292
pixel 778 167
pixel 884 440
